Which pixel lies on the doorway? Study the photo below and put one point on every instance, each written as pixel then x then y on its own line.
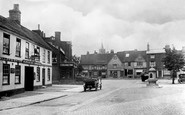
pixel 43 76
pixel 29 77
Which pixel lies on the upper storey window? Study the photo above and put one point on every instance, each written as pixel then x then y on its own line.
pixel 6 44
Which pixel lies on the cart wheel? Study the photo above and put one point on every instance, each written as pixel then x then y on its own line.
pixel 84 89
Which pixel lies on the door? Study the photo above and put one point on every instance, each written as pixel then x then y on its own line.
pixel 29 78
pixel 43 76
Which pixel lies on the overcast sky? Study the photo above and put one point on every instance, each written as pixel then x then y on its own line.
pixel 118 24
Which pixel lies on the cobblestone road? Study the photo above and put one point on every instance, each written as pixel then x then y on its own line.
pixel 118 97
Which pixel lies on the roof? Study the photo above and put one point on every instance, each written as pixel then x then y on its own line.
pixel 22 31
pixel 96 58
pixel 130 56
pixel 155 51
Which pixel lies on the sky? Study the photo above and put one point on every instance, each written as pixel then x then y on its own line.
pixel 118 24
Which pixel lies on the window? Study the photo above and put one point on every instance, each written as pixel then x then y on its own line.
pixel 27 50
pixel 17 74
pixel 127 55
pixel 114 65
pixel 38 74
pixel 37 53
pixel 18 48
pixel 49 57
pixel 129 63
pixel 6 74
pixel 152 56
pixel 130 71
pixel 139 63
pixel 44 56
pixel 49 74
pixel 6 44
pixel 152 64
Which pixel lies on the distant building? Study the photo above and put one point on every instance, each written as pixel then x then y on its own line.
pixel 25 58
pixel 154 60
pixel 126 64
pixel 134 63
pixel 96 64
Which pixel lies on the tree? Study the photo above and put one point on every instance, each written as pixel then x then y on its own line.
pixel 173 61
pixel 79 68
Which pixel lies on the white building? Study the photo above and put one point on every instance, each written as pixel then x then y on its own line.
pixel 25 58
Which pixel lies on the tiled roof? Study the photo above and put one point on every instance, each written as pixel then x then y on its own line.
pixel 96 58
pixel 154 51
pixel 130 56
pixel 22 31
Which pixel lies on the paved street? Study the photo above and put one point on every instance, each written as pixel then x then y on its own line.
pixel 118 97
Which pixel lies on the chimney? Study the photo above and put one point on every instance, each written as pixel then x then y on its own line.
pixel 15 14
pixel 148 47
pixel 183 49
pixel 57 36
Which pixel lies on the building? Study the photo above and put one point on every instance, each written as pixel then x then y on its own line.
pixel 25 58
pixel 154 60
pixel 63 65
pixel 126 64
pixel 96 64
pixel 134 63
pixel 115 67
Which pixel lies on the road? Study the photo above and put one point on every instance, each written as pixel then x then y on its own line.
pixel 118 97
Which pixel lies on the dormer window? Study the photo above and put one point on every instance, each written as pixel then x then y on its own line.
pixel 127 55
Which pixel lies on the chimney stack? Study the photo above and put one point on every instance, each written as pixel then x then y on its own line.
pixel 15 14
pixel 57 36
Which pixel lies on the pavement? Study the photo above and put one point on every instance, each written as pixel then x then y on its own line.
pixel 38 96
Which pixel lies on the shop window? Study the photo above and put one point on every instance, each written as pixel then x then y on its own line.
pixel 38 74
pixel 17 74
pixel 18 48
pixel 49 72
pixel 6 74
pixel 27 50
pixel 6 44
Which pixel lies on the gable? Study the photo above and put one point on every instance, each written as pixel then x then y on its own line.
pixel 115 61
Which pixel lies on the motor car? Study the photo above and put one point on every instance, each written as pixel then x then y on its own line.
pixel 181 78
pixel 92 83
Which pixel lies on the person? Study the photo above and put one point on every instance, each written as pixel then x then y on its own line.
pixel 143 77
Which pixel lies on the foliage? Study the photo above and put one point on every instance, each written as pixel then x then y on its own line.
pixel 79 68
pixel 173 61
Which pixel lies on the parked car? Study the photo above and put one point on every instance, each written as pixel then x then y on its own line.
pixel 181 78
pixel 91 83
